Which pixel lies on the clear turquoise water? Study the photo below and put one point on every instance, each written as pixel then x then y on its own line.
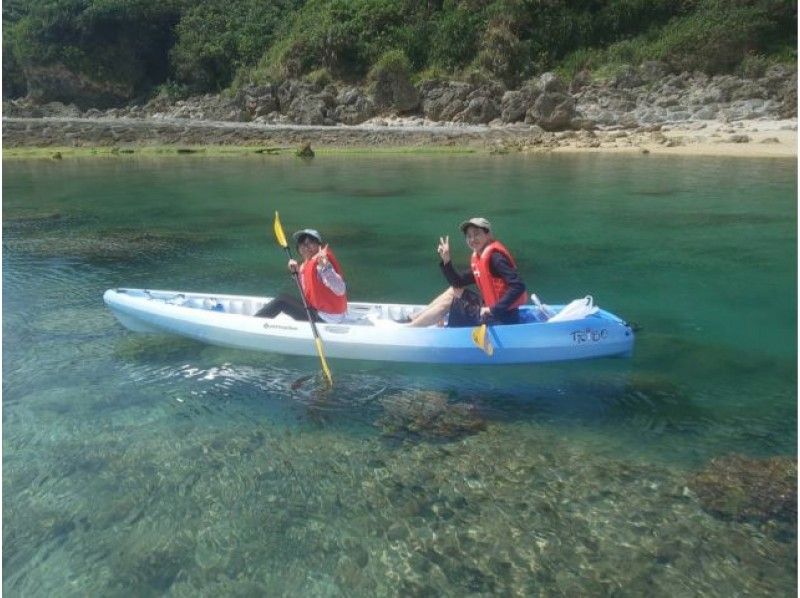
pixel 136 465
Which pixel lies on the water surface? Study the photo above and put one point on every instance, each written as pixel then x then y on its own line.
pixel 155 465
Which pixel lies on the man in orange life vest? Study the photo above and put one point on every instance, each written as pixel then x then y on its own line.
pixel 321 279
pixel 492 269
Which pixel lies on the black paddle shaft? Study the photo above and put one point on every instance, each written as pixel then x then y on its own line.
pixel 296 276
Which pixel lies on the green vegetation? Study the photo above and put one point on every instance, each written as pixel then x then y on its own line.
pixel 180 46
pixel 216 38
pixel 719 36
pixel 393 63
pixel 121 42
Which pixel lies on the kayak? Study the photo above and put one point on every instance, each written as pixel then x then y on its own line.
pixel 370 331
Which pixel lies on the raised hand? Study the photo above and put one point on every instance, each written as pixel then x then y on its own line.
pixel 292 265
pixel 444 249
pixel 322 257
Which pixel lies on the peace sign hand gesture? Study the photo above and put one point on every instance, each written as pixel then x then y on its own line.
pixel 444 249
pixel 322 257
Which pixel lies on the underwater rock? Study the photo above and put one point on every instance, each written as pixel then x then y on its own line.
pixel 155 350
pixel 27 223
pixel 428 414
pixel 73 321
pixel 740 488
pixel 116 245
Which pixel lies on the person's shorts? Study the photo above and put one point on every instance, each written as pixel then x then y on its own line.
pixel 465 310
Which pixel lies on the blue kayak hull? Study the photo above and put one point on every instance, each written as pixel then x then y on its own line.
pixel 369 334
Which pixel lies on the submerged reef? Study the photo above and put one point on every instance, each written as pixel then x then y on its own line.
pixel 101 246
pixel 745 489
pixel 428 414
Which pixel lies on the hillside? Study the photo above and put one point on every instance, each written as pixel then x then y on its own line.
pixel 104 53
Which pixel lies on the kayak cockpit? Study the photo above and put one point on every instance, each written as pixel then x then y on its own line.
pixel 365 314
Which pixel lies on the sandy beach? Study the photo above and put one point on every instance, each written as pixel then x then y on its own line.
pixel 754 139
pixel 31 137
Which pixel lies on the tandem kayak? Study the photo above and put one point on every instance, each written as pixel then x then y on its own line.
pixel 370 331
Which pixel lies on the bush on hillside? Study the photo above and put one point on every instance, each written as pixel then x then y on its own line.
pixel 13 77
pixel 455 39
pixel 502 53
pixel 320 78
pixel 394 62
pixel 123 42
pixel 390 82
pixel 715 38
pixel 216 38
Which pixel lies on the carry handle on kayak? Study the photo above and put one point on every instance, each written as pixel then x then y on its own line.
pixel 317 340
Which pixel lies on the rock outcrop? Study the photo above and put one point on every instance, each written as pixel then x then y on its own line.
pixel 642 98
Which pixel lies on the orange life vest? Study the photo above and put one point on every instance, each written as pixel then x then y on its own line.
pixel 319 296
pixel 492 287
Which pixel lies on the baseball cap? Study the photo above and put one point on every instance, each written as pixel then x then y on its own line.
pixel 307 232
pixel 479 222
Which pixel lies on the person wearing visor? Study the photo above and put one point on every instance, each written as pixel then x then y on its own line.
pixel 492 269
pixel 320 278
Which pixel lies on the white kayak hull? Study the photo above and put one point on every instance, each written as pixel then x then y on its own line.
pixel 369 332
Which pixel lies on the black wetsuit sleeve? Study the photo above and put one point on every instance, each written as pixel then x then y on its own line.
pixel 502 268
pixel 456 279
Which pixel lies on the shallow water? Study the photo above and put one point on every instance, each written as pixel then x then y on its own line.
pixel 155 465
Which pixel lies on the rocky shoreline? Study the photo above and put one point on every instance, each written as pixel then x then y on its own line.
pixel 641 109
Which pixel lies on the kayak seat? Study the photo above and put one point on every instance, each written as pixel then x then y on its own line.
pixel 377 320
pixel 235 307
pixel 398 314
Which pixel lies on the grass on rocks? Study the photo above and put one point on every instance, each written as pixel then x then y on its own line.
pixel 59 153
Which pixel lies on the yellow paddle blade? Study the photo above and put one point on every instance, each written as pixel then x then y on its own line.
pixel 325 370
pixel 279 231
pixel 480 338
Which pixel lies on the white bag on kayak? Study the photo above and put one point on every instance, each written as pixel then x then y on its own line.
pixel 576 310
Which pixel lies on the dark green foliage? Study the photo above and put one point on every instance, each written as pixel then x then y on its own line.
pixel 346 37
pixel 715 36
pixel 455 40
pixel 502 53
pixel 118 41
pixel 393 61
pixel 13 78
pixel 214 44
pixel 215 38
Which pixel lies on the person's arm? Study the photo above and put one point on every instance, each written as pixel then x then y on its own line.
pixel 331 279
pixel 328 274
pixel 456 279
pixel 502 268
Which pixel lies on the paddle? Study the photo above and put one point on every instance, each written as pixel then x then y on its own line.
pixel 317 340
pixel 481 340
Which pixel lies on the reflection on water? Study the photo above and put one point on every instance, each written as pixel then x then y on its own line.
pixel 144 465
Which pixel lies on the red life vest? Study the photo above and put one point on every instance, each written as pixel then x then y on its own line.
pixel 492 287
pixel 317 294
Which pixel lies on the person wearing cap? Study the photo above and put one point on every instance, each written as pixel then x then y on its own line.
pixel 320 278
pixel 492 269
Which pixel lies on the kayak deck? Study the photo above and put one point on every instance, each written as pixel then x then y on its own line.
pixel 370 331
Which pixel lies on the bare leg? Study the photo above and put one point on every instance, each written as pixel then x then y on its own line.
pixel 436 309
